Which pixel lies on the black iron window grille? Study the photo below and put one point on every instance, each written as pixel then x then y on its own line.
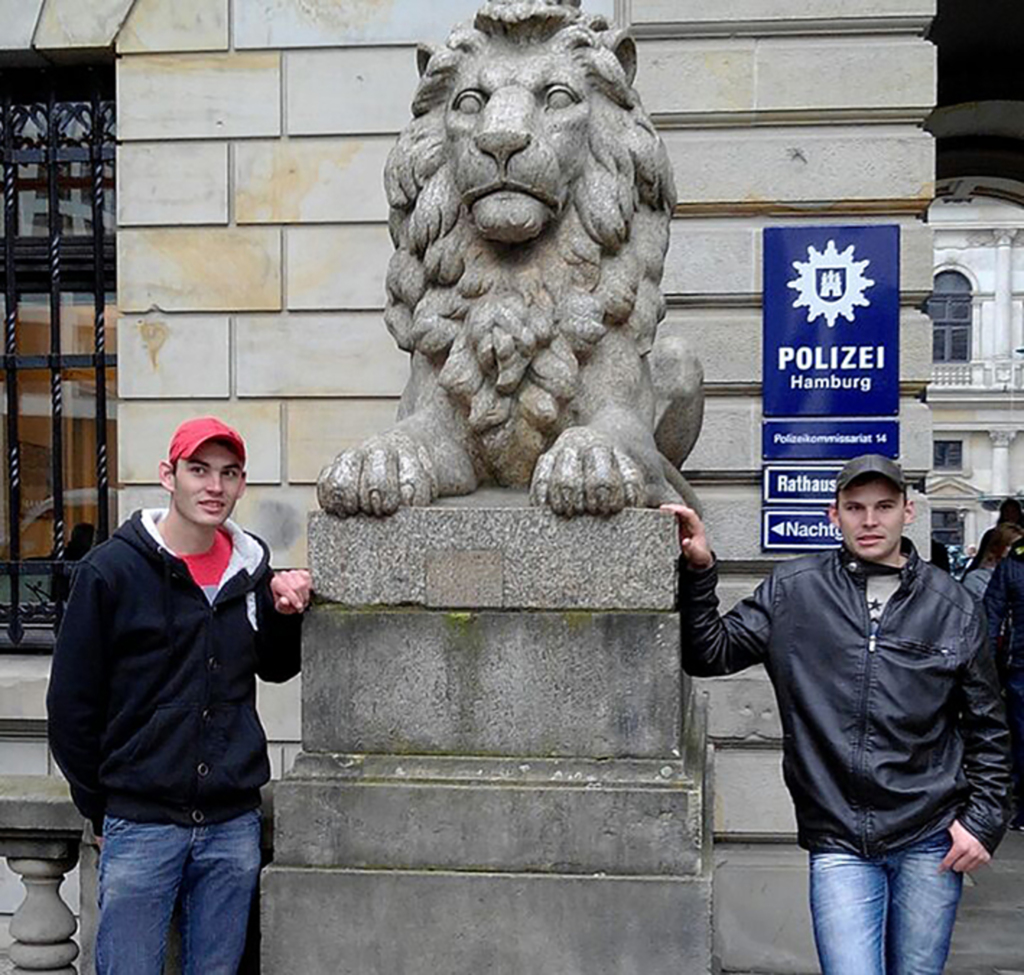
pixel 57 133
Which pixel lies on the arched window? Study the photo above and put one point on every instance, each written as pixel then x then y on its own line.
pixel 949 308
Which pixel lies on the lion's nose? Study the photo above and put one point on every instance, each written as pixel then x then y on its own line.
pixel 502 144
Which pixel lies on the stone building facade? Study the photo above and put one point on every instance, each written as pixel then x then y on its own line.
pixel 252 246
pixel 977 389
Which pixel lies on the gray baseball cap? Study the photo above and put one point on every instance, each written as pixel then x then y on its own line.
pixel 874 464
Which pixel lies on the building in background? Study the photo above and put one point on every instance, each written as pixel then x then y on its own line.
pixel 977 389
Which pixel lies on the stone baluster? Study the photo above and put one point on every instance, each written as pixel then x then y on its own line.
pixel 43 925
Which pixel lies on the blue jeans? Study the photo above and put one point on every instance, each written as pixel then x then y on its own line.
pixel 146 867
pixel 887 915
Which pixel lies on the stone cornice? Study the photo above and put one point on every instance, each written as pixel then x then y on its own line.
pixel 915 25
pixel 902 207
pixel 903 115
pixel 909 300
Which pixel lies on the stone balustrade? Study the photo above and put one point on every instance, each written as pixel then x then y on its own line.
pixel 43 837
pixel 1005 374
pixel 40 836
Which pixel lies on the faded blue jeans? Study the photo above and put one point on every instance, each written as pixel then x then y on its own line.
pixel 146 867
pixel 887 915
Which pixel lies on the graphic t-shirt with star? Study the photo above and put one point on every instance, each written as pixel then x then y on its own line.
pixel 880 588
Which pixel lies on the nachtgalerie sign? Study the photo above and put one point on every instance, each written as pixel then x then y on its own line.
pixel 831 321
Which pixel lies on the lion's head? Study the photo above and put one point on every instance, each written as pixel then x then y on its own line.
pixel 530 205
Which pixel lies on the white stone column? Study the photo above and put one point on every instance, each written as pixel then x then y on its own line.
pixel 1004 293
pixel 971 533
pixel 1001 440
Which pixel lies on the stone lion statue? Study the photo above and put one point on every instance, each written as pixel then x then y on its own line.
pixel 530 206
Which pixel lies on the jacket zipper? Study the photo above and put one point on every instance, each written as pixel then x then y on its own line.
pixel 859 762
pixel 860 765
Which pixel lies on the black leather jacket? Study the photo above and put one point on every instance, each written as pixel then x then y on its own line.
pixel 885 740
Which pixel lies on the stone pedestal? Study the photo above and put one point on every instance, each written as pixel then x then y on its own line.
pixel 503 766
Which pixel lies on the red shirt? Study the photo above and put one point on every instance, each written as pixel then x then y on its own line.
pixel 207 568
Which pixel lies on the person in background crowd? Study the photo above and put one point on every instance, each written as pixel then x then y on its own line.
pixel 1004 604
pixel 152 709
pixel 895 745
pixel 939 555
pixel 995 545
pixel 1009 513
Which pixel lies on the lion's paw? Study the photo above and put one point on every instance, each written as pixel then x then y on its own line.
pixel 586 473
pixel 379 477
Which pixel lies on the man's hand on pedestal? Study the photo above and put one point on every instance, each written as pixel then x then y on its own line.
pixel 692 539
pixel 291 591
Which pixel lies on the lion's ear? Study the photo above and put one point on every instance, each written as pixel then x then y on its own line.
pixel 624 48
pixel 424 52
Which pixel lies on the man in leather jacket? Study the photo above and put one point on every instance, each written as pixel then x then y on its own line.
pixel 895 745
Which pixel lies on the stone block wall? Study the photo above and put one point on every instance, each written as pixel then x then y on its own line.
pixel 252 233
pixel 252 219
pixel 252 247
pixel 778 113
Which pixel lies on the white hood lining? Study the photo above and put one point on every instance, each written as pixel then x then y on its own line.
pixel 246 552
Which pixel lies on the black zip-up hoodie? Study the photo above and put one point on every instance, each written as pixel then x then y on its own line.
pixel 152 696
pixel 887 738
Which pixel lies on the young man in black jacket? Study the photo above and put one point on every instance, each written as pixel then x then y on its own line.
pixel 895 746
pixel 152 709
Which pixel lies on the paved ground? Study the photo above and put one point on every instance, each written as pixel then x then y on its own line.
pixel 990 927
pixel 990 930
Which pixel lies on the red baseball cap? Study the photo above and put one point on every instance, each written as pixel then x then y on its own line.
pixel 192 434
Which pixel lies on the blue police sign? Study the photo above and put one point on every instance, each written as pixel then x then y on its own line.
pixel 829 439
pixel 789 484
pixel 803 530
pixel 831 321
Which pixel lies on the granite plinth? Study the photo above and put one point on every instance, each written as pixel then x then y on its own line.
pixel 598 685
pixel 504 768
pixel 427 923
pixel 620 817
pixel 494 552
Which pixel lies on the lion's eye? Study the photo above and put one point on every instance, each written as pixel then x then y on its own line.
pixel 561 97
pixel 470 102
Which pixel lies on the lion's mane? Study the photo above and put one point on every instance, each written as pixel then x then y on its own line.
pixel 507 347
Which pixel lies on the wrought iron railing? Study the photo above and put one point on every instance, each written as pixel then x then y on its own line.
pixel 57 139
